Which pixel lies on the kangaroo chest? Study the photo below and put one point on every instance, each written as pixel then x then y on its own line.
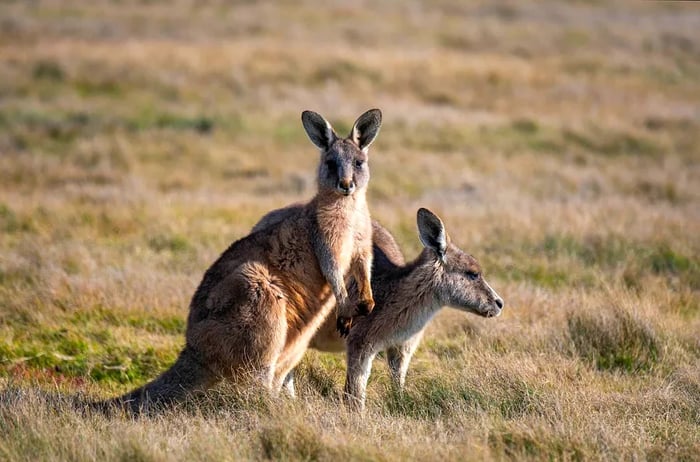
pixel 340 236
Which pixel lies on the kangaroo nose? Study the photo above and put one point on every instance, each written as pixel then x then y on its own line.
pixel 499 303
pixel 346 186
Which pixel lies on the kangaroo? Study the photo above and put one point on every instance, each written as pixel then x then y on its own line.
pixel 262 300
pixel 407 297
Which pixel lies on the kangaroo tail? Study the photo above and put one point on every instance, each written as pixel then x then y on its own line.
pixel 187 376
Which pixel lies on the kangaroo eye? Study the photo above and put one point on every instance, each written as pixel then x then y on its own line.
pixel 472 275
pixel 331 166
pixel 359 163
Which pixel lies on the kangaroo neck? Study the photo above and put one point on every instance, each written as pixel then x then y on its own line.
pixel 417 279
pixel 332 206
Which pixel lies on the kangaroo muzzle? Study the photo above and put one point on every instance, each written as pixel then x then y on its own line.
pixel 345 186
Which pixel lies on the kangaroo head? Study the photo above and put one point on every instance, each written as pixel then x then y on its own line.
pixel 457 278
pixel 343 168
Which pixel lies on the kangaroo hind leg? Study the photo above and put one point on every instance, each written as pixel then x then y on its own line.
pixel 244 334
pixel 399 358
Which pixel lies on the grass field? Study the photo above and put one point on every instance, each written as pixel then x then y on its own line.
pixel 559 142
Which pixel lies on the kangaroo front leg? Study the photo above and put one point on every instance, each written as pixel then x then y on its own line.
pixel 359 369
pixel 395 358
pixel 362 272
pixel 399 358
pixel 332 273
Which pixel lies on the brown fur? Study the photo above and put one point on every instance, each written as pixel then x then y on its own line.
pixel 260 303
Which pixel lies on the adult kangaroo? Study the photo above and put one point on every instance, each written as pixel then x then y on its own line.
pixel 260 303
pixel 407 297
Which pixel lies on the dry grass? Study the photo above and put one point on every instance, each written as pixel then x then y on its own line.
pixel 559 142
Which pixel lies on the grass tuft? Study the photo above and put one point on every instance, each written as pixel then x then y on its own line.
pixel 615 339
pixel 527 444
pixel 48 70
pixel 172 243
pixel 282 442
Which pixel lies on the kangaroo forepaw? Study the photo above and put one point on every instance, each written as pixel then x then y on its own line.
pixel 365 307
pixel 343 325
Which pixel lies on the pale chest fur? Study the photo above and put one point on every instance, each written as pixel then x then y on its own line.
pixel 345 228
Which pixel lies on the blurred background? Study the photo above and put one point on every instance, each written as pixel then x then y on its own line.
pixel 559 142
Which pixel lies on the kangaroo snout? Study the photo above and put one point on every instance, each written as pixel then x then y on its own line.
pixel 495 312
pixel 346 187
pixel 497 300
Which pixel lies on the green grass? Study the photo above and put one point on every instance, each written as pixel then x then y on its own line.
pixel 90 352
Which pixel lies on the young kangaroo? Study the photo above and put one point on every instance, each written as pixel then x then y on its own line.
pixel 407 297
pixel 260 303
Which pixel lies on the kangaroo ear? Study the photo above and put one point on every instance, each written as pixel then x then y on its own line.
pixel 366 127
pixel 432 232
pixel 318 129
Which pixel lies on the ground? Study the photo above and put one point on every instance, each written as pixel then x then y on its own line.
pixel 559 142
